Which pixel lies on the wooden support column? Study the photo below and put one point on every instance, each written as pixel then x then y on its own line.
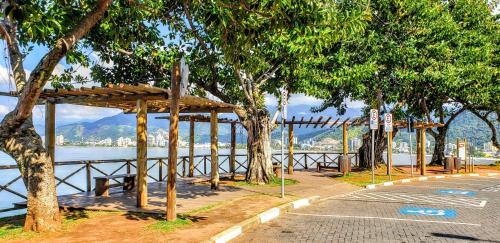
pixel 423 152
pixel 142 153
pixel 232 157
pixel 191 147
pixel 389 153
pixel 290 149
pixel 50 130
pixel 345 149
pixel 417 138
pixel 173 136
pixel 214 168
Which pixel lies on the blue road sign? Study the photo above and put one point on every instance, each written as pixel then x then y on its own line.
pixel 456 192
pixel 446 213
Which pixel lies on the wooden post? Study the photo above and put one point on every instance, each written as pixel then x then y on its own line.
pixel 183 166
pixel 389 153
pixel 129 165
pixel 50 130
pixel 160 170
pixel 142 153
pixel 345 149
pixel 172 144
pixel 191 147
pixel 422 151
pixel 290 149
pixel 214 168
pixel 89 176
pixel 232 157
pixel 417 134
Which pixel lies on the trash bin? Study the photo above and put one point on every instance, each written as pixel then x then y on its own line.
pixel 344 166
pixel 458 164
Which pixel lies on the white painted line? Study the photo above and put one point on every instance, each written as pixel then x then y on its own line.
pixel 483 203
pixel 473 174
pixel 492 174
pixel 423 178
pixel 393 219
pixel 405 180
pixel 461 183
pixel 229 234
pixel 456 175
pixel 371 186
pixel 269 215
pixel 300 203
pixel 390 183
pixel 440 177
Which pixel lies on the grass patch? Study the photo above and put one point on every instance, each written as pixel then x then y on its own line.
pixel 12 227
pixel 166 226
pixel 205 208
pixel 364 178
pixel 274 182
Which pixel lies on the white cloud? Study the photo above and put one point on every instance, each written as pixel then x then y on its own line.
pixel 75 113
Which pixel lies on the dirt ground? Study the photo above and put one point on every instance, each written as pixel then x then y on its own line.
pixel 125 227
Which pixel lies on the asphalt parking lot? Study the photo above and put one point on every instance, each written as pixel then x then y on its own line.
pixel 444 210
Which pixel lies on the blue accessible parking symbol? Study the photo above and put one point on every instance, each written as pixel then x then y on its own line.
pixel 446 213
pixel 456 192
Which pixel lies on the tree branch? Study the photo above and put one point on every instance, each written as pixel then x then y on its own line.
pixel 45 67
pixel 490 124
pixel 8 32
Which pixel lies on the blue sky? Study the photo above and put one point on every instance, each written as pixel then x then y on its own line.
pixel 67 114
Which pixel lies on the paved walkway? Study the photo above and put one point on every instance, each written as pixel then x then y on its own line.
pixel 448 210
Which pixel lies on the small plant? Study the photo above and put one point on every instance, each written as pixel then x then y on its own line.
pixel 167 226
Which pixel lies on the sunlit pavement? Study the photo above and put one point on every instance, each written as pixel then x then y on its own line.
pixel 446 210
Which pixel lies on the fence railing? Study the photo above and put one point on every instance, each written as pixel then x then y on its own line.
pixel 77 176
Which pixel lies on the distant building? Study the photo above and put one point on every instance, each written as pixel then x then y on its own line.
pixel 60 140
pixel 449 148
pixel 404 148
pixel 489 148
pixel 354 144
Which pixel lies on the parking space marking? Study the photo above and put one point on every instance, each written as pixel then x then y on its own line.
pixel 415 198
pixel 494 188
pixel 460 183
pixel 384 218
pixel 456 192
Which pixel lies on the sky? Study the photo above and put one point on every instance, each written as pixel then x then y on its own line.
pixel 67 114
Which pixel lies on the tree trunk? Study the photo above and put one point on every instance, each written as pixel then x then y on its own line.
pixel 35 165
pixel 260 166
pixel 439 144
pixel 380 145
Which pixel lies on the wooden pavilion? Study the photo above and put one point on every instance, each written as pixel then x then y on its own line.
pixel 140 99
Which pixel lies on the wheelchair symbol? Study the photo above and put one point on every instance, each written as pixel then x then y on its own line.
pixel 447 213
pixel 456 192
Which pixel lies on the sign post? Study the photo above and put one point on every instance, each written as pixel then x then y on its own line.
pixel 410 130
pixel 284 103
pixel 388 130
pixel 373 127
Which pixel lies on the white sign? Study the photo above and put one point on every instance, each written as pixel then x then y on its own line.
pixel 184 77
pixel 374 119
pixel 461 151
pixel 388 122
pixel 284 103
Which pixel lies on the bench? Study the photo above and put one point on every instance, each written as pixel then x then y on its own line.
pixel 102 184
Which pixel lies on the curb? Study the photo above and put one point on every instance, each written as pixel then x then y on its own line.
pixel 424 178
pixel 263 217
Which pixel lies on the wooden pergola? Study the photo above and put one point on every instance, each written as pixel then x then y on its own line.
pixel 315 122
pixel 213 141
pixel 140 99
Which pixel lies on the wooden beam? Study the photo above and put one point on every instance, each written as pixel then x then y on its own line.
pixel 142 153
pixel 423 169
pixel 191 147
pixel 173 135
pixel 214 171
pixel 290 149
pixel 417 138
pixel 50 130
pixel 326 122
pixel 309 122
pixel 318 122
pixel 335 122
pixel 301 121
pixel 232 157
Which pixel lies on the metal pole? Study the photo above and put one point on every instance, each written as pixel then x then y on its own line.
pixel 389 155
pixel 411 160
pixel 373 156
pixel 282 158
